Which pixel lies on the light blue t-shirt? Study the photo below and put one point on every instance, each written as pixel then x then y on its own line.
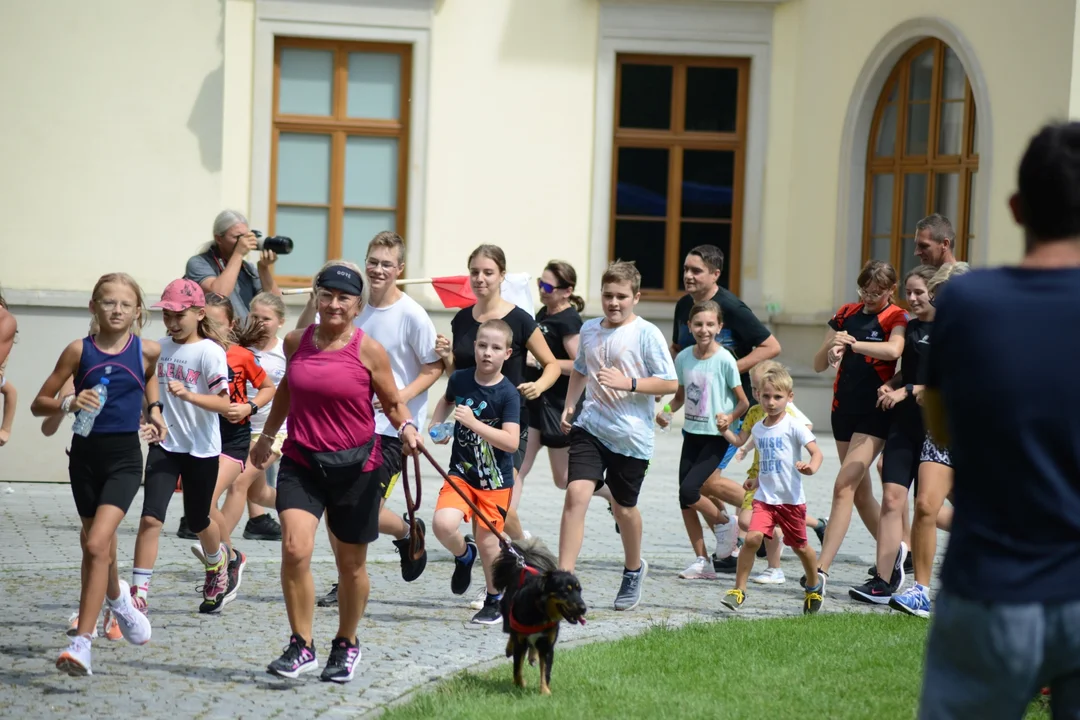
pixel 621 420
pixel 708 387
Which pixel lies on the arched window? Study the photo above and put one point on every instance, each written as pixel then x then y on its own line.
pixel 923 155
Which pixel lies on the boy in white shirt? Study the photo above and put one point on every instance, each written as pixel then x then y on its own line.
pixel 778 499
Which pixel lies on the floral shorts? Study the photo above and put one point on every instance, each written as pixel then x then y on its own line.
pixel 932 452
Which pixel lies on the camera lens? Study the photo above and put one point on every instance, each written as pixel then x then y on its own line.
pixel 277 243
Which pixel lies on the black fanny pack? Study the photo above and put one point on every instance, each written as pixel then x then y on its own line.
pixel 339 464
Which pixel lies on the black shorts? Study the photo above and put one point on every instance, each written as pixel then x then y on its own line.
pixel 934 453
pixel 105 469
pixel 554 441
pixel 351 506
pixel 874 423
pixel 236 442
pixel 590 459
pixel 387 474
pixel 701 455
pixel 198 475
pixel 900 463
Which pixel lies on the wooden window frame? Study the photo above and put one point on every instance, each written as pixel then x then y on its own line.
pixel 899 164
pixel 676 140
pixel 340 127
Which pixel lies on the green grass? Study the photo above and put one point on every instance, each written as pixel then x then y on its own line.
pixel 834 666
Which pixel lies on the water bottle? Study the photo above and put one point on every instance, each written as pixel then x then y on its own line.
pixel 84 421
pixel 441 432
pixel 666 414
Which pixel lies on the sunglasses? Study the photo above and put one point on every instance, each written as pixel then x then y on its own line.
pixel 548 287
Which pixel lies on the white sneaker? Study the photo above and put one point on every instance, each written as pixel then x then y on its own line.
pixel 477 603
pixel 700 569
pixel 133 624
pixel 727 537
pixel 75 661
pixel 769 576
pixel 197 551
pixel 73 626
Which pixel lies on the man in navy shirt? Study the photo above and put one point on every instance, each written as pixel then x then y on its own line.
pixel 1002 394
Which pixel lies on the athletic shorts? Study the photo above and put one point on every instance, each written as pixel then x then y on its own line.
pixel 275 447
pixel 590 459
pixel 388 473
pixel 163 469
pixel 875 424
pixel 901 458
pixel 700 455
pixel 105 469
pixel 790 518
pixel 493 504
pixel 351 505
pixel 934 453
pixel 236 443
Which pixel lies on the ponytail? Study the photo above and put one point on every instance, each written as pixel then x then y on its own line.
pixel 566 275
pixel 577 303
pixel 211 330
pixel 253 333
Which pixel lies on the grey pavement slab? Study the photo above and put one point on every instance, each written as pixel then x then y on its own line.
pixel 412 634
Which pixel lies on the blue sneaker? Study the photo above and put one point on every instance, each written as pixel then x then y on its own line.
pixel 913 601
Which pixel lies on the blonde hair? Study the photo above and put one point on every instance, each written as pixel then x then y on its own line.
pixel 141 316
pixel 945 273
pixel 763 367
pixel 391 241
pixel 779 378
pixel 272 301
pixel 622 271
pixel 498 325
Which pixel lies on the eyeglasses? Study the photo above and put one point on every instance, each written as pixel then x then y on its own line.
pixel 385 265
pixel 325 297
pixel 111 305
pixel 872 296
pixel 548 287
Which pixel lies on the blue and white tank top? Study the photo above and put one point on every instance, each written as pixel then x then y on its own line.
pixel 127 384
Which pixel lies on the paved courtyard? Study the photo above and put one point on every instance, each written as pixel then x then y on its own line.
pixel 214 666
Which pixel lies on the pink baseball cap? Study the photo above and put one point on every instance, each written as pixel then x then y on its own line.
pixel 180 295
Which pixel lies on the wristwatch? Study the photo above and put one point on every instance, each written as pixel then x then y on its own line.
pixel 254 408
pixel 910 390
pixel 151 406
pixel 633 384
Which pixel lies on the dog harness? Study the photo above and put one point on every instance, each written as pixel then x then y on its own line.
pixel 528 629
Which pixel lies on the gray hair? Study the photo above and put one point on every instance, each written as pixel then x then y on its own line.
pixel 225 220
pixel 939 226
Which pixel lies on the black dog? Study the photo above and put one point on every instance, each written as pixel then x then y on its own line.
pixel 537 596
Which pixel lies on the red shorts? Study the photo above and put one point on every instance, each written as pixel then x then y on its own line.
pixel 494 504
pixel 790 518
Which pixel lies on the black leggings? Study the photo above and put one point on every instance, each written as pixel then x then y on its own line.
pixel 163 468
pixel 701 455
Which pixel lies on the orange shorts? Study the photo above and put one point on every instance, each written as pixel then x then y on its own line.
pixel 494 504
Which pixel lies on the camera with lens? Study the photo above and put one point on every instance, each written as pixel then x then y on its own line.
pixel 277 243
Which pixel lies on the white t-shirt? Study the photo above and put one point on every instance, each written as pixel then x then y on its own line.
pixel 272 361
pixel 620 419
pixel 408 335
pixel 779 448
pixel 202 367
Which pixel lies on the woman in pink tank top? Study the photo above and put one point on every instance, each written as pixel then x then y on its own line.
pixel 333 370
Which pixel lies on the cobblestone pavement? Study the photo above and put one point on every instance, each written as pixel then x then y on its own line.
pixel 214 666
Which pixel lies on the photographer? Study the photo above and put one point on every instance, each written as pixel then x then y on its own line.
pixel 222 268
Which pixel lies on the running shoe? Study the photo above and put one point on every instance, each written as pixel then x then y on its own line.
pixel 629 596
pixel 727 537
pixel 73 626
pixel 138 601
pixel 462 578
pixel 412 568
pixel 875 591
pixel 330 598
pixel 489 614
pixel 263 527
pixel 733 599
pixel 132 624
pixel 913 601
pixel 700 569
pixel 215 585
pixel 236 575
pixel 197 551
pixel 822 573
pixel 477 603
pixel 75 661
pixel 183 532
pixel 769 576
pixel 111 627
pixel 909 566
pixel 297 659
pixel 341 665
pixel 814 598
pixel 820 529
pixel 898 572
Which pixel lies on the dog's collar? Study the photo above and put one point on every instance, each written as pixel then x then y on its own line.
pixel 528 629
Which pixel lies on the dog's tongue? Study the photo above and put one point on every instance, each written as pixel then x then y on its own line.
pixel 581 620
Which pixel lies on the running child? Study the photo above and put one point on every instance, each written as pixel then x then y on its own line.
pixel 779 499
pixel 235 425
pixel 486 408
pixel 714 398
pixel 623 363
pixel 194 372
pixel 105 466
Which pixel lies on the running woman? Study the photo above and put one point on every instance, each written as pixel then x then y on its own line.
pixel 333 372
pixel 194 373
pixel 865 339
pixel 906 434
pixel 105 467
pixel 244 370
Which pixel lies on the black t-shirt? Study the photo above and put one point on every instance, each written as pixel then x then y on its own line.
pixel 472 459
pixel 1001 350
pixel 860 376
pixel 556 328
pixel 912 371
pixel 742 331
pixel 464 327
